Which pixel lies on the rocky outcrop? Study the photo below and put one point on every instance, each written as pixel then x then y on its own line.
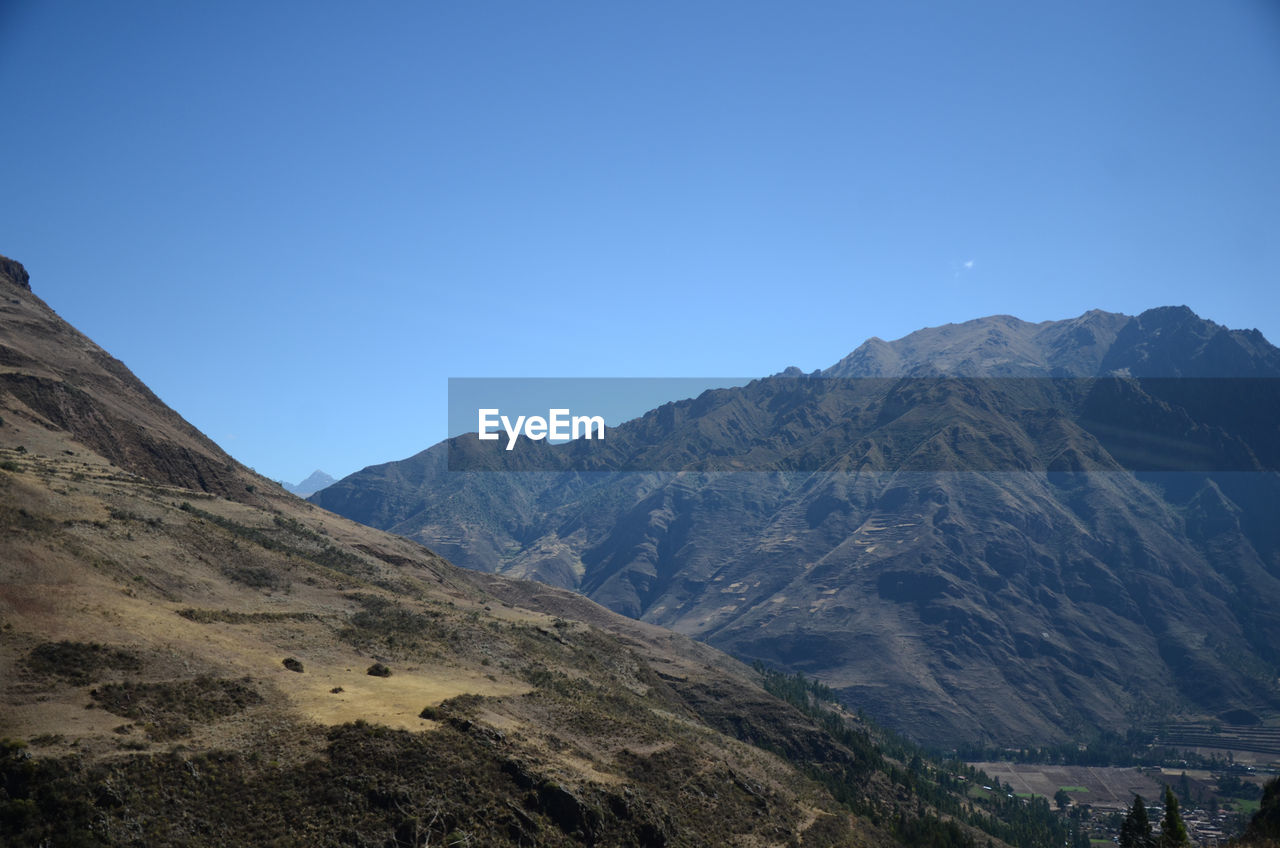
pixel 12 272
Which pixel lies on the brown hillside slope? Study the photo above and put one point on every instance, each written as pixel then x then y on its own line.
pixel 186 654
pixel 59 380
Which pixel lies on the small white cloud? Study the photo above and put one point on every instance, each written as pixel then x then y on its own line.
pixel 968 265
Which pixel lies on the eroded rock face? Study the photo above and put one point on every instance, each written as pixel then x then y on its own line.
pixel 12 272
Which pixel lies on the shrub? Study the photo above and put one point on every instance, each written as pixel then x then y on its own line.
pixel 167 709
pixel 79 662
pixel 293 664
pixel 378 670
pixel 256 577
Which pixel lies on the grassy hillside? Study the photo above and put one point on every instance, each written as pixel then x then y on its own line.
pixel 190 655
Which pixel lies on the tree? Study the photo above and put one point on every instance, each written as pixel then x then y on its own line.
pixel 1173 833
pixel 1266 822
pixel 1136 830
pixel 1062 798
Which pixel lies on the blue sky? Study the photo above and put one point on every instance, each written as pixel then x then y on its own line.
pixel 295 221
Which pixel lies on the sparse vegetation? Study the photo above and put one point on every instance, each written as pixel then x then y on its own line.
pixel 391 627
pixel 126 515
pixel 290 537
pixel 168 708
pixel 44 740
pixel 257 577
pixel 79 662
pixel 367 786
pixel 24 520
pixel 209 616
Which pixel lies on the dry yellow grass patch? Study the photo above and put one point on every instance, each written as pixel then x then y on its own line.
pixel 394 701
pixel 66 717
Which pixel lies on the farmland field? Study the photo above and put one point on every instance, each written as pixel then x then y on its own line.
pixel 1096 785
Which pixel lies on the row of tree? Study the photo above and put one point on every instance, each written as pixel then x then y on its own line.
pixel 1132 748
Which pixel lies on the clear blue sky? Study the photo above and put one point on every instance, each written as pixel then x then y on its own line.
pixel 295 220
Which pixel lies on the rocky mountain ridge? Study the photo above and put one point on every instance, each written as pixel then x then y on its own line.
pixel 959 560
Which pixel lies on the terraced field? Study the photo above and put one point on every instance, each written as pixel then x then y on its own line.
pixel 1103 787
pixel 1242 741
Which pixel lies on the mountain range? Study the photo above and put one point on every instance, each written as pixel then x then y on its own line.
pixel 997 530
pixel 190 655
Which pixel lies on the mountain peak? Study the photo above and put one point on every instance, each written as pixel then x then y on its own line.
pixel 1173 341
pixel 1166 341
pixel 1169 316
pixel 994 346
pixel 11 271
pixel 315 482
